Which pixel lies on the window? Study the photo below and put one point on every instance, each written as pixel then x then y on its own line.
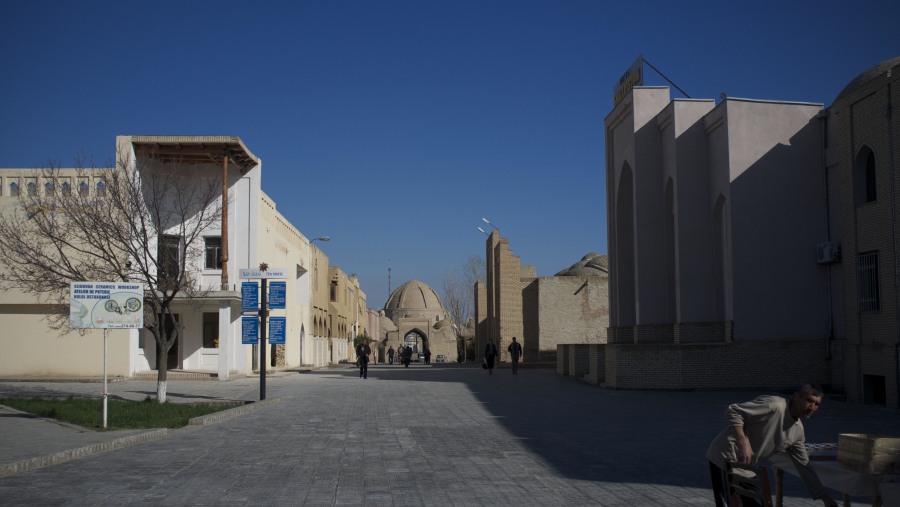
pixel 49 189
pixel 334 287
pixel 101 188
pixel 867 282
pixel 83 189
pixel 213 252
pixel 66 189
pixel 14 189
pixel 865 177
pixel 169 258
pixel 210 330
pixel 31 188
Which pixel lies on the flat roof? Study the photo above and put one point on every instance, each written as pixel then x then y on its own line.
pixel 196 149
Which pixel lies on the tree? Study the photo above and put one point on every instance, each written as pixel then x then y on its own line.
pixel 459 291
pixel 142 221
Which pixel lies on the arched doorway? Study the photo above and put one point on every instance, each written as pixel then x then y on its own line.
pixel 417 340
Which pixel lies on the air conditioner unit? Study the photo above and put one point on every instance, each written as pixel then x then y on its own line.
pixel 828 253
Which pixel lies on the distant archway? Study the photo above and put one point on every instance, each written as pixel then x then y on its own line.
pixel 416 339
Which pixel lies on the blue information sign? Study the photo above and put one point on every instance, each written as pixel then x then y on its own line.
pixel 249 296
pixel 276 330
pixel 277 291
pixel 249 330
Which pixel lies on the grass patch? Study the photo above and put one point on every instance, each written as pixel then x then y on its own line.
pixel 121 414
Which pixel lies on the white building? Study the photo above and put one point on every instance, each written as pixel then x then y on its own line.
pixel 251 232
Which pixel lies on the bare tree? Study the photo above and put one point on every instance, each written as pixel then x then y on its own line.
pixel 142 221
pixel 459 291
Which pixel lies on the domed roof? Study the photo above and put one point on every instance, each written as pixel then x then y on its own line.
pixel 868 76
pixel 414 295
pixel 592 264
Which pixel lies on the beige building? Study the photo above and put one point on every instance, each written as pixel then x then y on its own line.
pixel 415 316
pixel 252 231
pixel 571 307
pixel 749 246
pixel 347 306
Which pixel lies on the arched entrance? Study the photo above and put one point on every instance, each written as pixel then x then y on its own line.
pixel 416 339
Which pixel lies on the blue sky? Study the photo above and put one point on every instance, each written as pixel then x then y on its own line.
pixel 386 124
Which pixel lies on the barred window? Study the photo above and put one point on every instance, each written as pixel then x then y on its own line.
pixel 867 282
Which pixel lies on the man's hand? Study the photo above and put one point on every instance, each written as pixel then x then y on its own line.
pixel 744 451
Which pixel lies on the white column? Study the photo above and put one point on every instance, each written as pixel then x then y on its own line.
pixel 225 339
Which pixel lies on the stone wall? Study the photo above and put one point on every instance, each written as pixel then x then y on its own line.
pixel 770 364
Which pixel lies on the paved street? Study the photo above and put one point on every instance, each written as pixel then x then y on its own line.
pixel 439 435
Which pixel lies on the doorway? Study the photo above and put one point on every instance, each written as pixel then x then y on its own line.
pixel 874 390
pixel 173 357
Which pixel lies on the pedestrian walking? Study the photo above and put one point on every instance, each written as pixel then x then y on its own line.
pixel 490 355
pixel 362 358
pixel 515 352
pixel 391 355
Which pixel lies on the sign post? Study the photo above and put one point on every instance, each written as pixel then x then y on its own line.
pixel 263 274
pixel 106 305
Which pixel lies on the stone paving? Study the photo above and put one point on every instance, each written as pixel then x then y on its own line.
pixel 440 435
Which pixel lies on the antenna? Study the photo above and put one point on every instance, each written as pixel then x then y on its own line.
pixel 389 279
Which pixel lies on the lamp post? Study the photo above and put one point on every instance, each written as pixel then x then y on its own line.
pixel 483 231
pixel 321 238
pixel 485 220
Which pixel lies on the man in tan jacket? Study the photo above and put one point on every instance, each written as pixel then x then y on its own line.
pixel 762 427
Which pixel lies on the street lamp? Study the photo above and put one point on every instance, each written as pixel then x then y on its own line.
pixel 321 238
pixel 485 220
pixel 483 231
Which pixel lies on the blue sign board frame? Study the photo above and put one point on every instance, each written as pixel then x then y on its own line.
pixel 249 330
pixel 277 291
pixel 277 326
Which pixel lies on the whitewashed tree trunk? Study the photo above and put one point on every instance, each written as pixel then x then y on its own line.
pixel 161 391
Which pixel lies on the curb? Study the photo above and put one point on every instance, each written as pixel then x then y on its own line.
pixel 224 415
pixel 29 464
pixel 26 465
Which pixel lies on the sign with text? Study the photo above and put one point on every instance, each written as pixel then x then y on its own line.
pixel 256 274
pixel 634 76
pixel 106 305
pixel 277 327
pixel 249 330
pixel 249 296
pixel 277 291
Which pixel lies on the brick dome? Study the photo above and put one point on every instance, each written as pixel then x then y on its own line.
pixel 414 295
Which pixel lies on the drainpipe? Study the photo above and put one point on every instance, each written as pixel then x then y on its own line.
pixel 823 121
pixel 891 168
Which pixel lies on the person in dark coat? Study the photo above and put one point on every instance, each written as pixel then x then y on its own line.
pixel 490 355
pixel 362 359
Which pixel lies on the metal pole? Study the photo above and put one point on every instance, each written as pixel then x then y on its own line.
pixel 262 340
pixel 105 391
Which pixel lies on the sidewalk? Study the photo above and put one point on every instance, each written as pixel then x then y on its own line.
pixel 424 435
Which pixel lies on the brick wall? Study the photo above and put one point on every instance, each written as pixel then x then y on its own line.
pixel 769 364
pixel 857 122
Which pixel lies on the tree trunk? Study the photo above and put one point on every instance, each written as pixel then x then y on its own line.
pixel 162 367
